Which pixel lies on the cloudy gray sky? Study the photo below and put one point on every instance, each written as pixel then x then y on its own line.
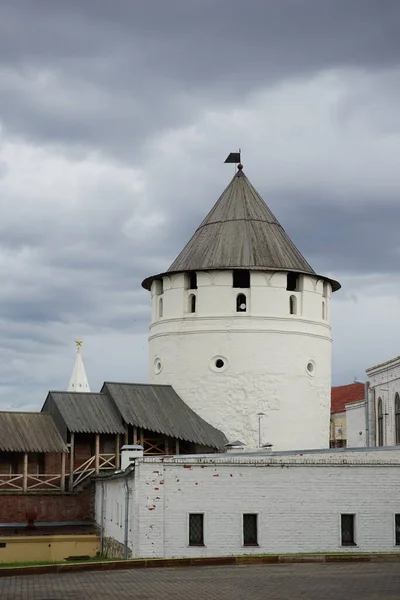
pixel 115 119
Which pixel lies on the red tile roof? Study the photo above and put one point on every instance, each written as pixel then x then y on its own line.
pixel 345 394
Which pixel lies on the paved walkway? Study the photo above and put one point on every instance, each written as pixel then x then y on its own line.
pixel 362 581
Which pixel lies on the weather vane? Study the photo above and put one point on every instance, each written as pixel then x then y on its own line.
pixel 78 343
pixel 235 157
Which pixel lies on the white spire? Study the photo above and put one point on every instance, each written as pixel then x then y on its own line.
pixel 78 381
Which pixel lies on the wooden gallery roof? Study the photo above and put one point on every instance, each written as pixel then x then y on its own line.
pixel 29 432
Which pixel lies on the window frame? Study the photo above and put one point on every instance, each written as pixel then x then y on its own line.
pixel 239 297
pixel 293 282
pixel 396 534
pixel 292 304
pixel 192 303
pixel 237 275
pixel 354 542
pixel 257 542
pixel 196 544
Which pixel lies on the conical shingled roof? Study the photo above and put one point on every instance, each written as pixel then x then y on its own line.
pixel 240 232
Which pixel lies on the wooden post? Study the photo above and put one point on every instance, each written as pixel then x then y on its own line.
pixel 166 446
pixel 135 437
pixel 62 481
pixel 71 463
pixel 97 454
pixel 117 452
pixel 25 474
pixel 141 438
pixel 176 446
pixel 126 441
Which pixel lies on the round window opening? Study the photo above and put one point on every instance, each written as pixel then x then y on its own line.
pixel 219 363
pixel 310 367
pixel 157 366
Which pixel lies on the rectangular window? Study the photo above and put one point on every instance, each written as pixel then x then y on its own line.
pixel 293 282
pixel 196 529
pixel 241 278
pixel 397 529
pixel 250 537
pixel 347 530
pixel 192 280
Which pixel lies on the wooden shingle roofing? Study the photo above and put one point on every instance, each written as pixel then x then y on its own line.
pixel 29 432
pixel 240 232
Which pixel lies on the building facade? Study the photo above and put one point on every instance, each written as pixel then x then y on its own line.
pixel 241 327
pixel 331 501
pixel 384 403
pixel 346 412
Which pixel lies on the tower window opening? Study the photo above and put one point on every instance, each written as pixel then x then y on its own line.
pixel 292 282
pixel 193 280
pixel 293 305
pixel 241 278
pixel 325 289
pixel 160 307
pixel 159 287
pixel 192 303
pixel 323 310
pixel 241 303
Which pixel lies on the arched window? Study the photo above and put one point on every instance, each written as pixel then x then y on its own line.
pixel 380 422
pixel 397 417
pixel 323 310
pixel 241 303
pixel 192 303
pixel 160 307
pixel 293 305
pixel 325 289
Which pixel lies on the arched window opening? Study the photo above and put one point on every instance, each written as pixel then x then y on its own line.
pixel 380 422
pixel 241 278
pixel 192 280
pixel 160 307
pixel 241 303
pixel 323 310
pixel 293 305
pixel 325 289
pixel 158 287
pixel 293 282
pixel 397 417
pixel 192 303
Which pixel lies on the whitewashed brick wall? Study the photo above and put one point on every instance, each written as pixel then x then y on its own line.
pixel 298 499
pixel 355 424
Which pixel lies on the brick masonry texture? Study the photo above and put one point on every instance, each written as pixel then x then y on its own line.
pixel 257 582
pixel 298 504
pixel 49 507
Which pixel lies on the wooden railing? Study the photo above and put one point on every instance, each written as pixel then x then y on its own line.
pixel 54 482
pixel 89 468
pixel 15 482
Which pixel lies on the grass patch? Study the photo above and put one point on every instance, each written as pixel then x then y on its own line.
pixel 39 563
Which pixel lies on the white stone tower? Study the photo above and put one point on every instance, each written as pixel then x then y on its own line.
pixel 241 327
pixel 78 381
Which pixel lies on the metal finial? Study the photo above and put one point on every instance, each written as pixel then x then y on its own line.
pixel 78 343
pixel 240 167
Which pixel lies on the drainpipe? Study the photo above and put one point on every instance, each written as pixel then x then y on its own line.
pixel 366 393
pixel 126 524
pixel 102 519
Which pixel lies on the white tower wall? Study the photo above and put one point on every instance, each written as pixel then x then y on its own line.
pixel 275 362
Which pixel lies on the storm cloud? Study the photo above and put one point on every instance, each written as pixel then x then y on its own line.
pixel 115 119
